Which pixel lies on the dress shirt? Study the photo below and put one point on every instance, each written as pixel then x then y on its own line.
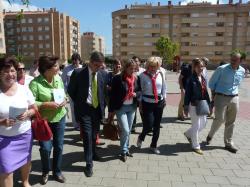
pixel 226 80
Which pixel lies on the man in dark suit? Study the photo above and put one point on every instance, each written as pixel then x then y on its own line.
pixel 86 89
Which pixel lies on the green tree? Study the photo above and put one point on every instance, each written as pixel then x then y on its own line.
pixel 167 49
pixel 242 53
pixel 24 2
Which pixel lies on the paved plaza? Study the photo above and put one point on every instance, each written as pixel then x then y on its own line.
pixel 176 166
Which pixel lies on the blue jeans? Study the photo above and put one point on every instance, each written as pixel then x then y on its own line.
pixel 46 146
pixel 125 117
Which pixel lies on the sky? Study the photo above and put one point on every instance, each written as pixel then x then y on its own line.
pixel 94 15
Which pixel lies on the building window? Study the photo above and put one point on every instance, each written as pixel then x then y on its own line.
pixel 130 35
pixel 194 44
pixel 148 44
pixel 194 24
pixel 166 26
pixel 41 53
pixel 17 29
pixel 30 20
pixel 23 20
pixel 184 43
pixel 218 53
pixel 40 37
pixel 219 43
pixel 30 29
pixel 117 35
pixel 147 25
pixel 47 46
pixel 230 24
pixel 240 24
pixel 147 35
pixel 32 54
pixel 25 46
pixel 186 34
pixel 131 26
pixel 131 16
pixel 156 35
pixel 195 15
pixel 210 43
pixel 31 46
pixel 31 37
pixel 211 24
pixel 229 43
pixel 194 34
pixel 40 28
pixel 156 26
pixel 46 28
pixel 147 16
pixel 40 46
pixel 39 20
pixel 24 37
pixel 220 24
pixel 24 29
pixel 46 20
pixel 131 43
pixel 211 14
pixel 219 34
pixel 46 37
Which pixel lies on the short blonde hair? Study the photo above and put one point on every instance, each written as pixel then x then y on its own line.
pixel 153 61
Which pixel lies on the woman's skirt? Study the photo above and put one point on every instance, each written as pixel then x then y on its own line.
pixel 15 151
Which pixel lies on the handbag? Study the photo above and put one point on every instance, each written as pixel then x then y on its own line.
pixel 202 108
pixel 111 131
pixel 40 128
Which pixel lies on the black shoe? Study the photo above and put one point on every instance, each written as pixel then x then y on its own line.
pixel 59 178
pixel 96 157
pixel 129 154
pixel 231 148
pixel 208 140
pixel 123 157
pixel 45 178
pixel 89 171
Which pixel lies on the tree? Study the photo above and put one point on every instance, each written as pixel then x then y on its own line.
pixel 167 49
pixel 24 2
pixel 242 53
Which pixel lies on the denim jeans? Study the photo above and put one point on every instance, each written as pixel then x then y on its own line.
pixel 152 115
pixel 125 117
pixel 57 143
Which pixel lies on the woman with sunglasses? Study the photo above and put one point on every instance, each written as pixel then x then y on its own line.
pixel 22 77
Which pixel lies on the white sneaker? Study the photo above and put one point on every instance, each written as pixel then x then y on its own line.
pixel 155 151
pixel 139 143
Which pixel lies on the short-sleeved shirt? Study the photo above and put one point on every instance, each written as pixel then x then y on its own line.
pixel 43 92
pixel 23 98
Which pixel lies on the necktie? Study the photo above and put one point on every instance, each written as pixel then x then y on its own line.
pixel 154 87
pixel 94 91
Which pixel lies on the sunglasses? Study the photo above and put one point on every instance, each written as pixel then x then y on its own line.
pixel 19 69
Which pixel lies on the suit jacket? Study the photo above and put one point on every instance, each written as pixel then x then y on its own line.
pixel 78 90
pixel 119 92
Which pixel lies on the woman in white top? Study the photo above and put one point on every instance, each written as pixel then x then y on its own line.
pixel 152 101
pixel 17 106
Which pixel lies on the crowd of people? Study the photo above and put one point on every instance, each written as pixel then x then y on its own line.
pixel 89 88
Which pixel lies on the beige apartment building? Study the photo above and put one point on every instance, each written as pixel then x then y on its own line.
pixel 202 29
pixel 41 32
pixel 91 42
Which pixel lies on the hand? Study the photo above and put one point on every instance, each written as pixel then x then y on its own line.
pixel 63 103
pixel 134 94
pixel 8 122
pixel 24 116
pixel 51 105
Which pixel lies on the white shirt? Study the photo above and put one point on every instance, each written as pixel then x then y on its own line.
pixel 146 87
pixel 141 70
pixel 22 99
pixel 89 98
pixel 66 74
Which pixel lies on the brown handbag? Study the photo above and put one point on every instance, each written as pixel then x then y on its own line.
pixel 111 131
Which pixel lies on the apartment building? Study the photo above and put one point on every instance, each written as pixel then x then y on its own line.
pixel 91 42
pixel 202 29
pixel 41 32
pixel 2 37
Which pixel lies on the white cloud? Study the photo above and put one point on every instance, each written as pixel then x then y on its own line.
pixel 17 7
pixel 185 2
